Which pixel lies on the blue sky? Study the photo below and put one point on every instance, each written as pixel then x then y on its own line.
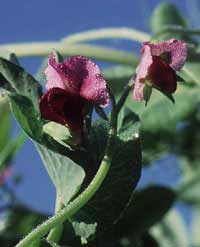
pixel 24 20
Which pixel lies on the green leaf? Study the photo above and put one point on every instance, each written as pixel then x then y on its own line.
pixel 160 118
pixel 5 122
pixel 188 190
pixel 27 116
pixel 61 134
pixel 113 196
pixel 148 206
pixel 147 91
pixel 166 14
pixel 118 76
pixel 195 237
pixel 167 22
pixel 171 231
pixel 21 221
pixel 191 72
pixel 20 81
pixel 84 231
pixel 9 56
pixel 101 112
pixel 66 175
pixel 10 150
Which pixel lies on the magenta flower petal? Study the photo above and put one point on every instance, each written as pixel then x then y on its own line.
pixel 62 107
pixel 174 51
pixel 53 74
pixel 142 73
pixel 88 79
pixel 78 75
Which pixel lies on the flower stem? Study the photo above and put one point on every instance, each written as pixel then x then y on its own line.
pixel 73 207
pixel 40 49
pixel 178 29
pixel 56 233
pixel 107 33
pixel 87 194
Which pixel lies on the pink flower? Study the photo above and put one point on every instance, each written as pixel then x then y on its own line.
pixel 71 85
pixel 158 66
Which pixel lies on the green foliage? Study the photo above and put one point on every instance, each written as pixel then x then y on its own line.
pixel 124 174
pixel 148 207
pixel 65 174
pixel 84 231
pixel 4 123
pixel 167 22
pixel 62 135
pixel 27 116
pixel 171 231
pixel 190 186
pixel 10 150
pixel 167 14
pixel 159 120
pixel 19 222
pixel 19 81
pixel 195 237
pixel 118 76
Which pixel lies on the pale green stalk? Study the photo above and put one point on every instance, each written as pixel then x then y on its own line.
pixel 107 33
pixel 40 49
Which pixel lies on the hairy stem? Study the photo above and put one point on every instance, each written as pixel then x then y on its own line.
pixel 56 233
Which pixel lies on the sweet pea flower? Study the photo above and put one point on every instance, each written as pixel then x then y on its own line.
pixel 70 86
pixel 158 66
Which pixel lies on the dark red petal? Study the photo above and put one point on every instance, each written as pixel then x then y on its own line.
pixel 60 106
pixel 162 75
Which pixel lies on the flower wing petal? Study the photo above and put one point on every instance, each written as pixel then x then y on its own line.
pixel 142 73
pixel 176 49
pixel 53 74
